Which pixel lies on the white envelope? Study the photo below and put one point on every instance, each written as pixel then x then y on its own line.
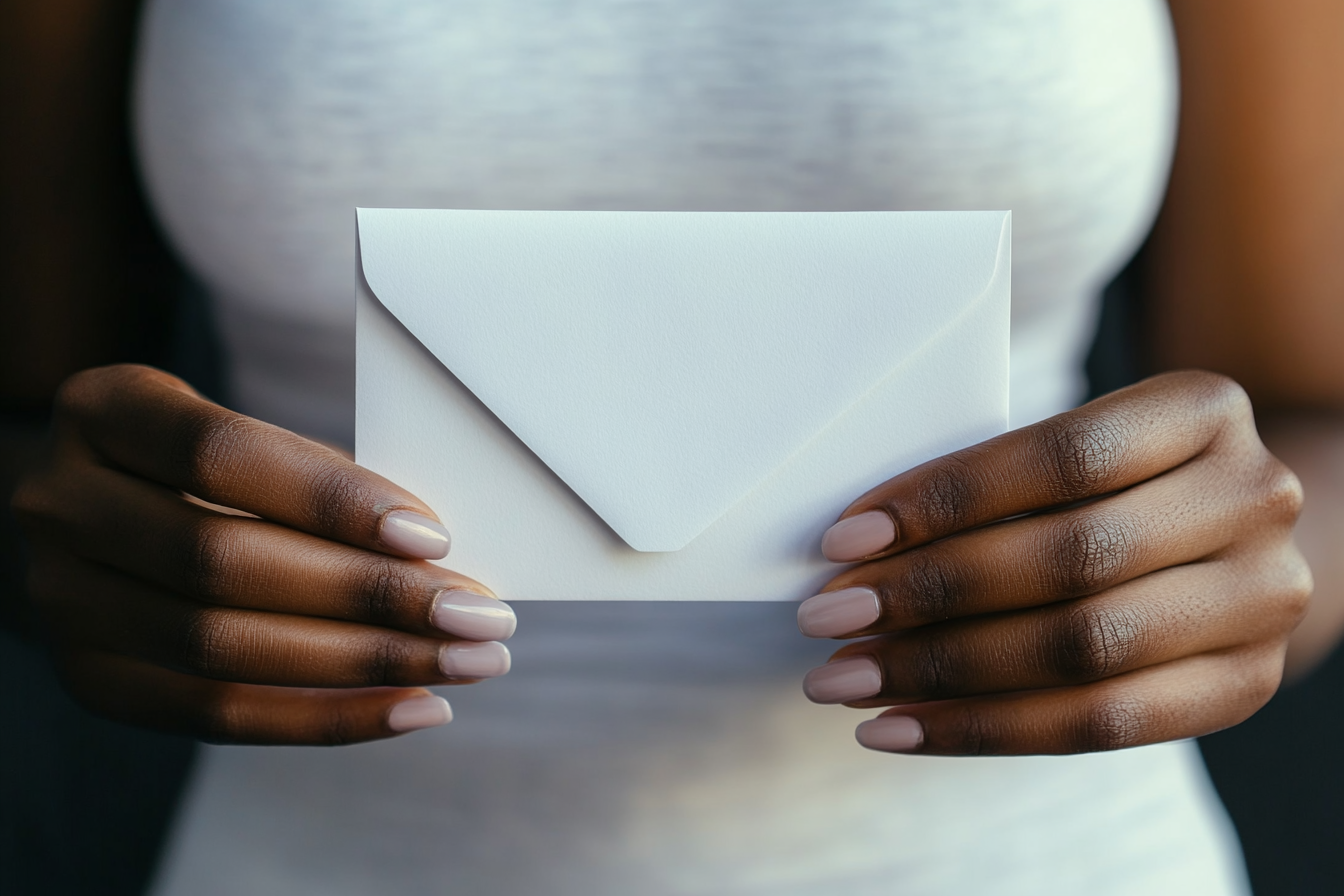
pixel 669 405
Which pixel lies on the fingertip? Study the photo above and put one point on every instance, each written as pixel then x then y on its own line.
pixel 834 614
pixel 429 711
pixel 415 535
pixel 475 660
pixel 473 616
pixel 856 537
pixel 843 680
pixel 891 734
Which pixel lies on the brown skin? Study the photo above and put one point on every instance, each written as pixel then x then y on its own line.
pixel 1147 595
pixel 1245 275
pixel 1166 610
pixel 181 617
pixel 1161 608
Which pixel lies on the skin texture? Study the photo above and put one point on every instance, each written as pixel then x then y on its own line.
pixel 1175 611
pixel 174 611
pixel 1150 592
pixel 1243 273
pixel 1117 575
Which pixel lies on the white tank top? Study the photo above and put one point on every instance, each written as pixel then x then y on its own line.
pixel 659 748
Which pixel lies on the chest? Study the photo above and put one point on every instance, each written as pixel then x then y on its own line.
pixel 280 117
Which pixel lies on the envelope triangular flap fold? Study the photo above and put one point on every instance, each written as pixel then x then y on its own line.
pixel 662 364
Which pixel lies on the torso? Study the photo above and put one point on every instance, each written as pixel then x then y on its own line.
pixel 659 748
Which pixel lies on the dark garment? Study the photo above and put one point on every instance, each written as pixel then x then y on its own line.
pixel 1280 775
pixel 84 803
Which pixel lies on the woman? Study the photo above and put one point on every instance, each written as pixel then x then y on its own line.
pixel 1150 595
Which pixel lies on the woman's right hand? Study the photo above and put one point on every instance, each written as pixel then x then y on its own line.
pixel 298 610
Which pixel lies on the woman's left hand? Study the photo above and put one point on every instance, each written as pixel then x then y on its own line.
pixel 1118 575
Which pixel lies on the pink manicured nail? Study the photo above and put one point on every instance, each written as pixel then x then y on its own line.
pixel 838 613
pixel 415 535
pixel 419 712
pixel 858 537
pixel 843 680
pixel 893 734
pixel 475 660
pixel 473 616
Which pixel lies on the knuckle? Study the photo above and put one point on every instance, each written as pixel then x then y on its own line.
pixel 1266 679
pixel 85 392
pixel 932 669
pixel 335 490
pixel 974 734
pixel 339 727
pixel 207 443
pixel 1282 582
pixel 1091 551
pixel 385 661
pixel 948 495
pixel 87 690
pixel 1225 396
pixel 1255 679
pixel 1298 586
pixel 47 497
pixel 1083 454
pixel 1097 642
pixel 80 392
pixel 1277 584
pixel 210 644
pixel 386 583
pixel 31 501
pixel 1281 493
pixel 212 550
pixel 1112 723
pixel 222 719
pixel 931 591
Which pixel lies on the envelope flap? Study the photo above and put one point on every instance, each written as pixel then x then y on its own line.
pixel 663 363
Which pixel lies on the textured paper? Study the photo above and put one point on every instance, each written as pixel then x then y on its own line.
pixel 669 405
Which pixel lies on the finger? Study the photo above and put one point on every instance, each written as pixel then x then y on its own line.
pixel 153 425
pixel 1178 518
pixel 1149 621
pixel 1114 442
pixel 136 619
pixel 153 534
pixel 1188 698
pixel 142 694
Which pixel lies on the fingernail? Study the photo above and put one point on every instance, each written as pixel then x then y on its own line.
pixel 858 537
pixel 894 734
pixel 416 535
pixel 837 613
pixel 473 616
pixel 419 712
pixel 473 660
pixel 843 680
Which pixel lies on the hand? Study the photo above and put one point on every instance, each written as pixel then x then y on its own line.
pixel 1118 575
pixel 310 617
